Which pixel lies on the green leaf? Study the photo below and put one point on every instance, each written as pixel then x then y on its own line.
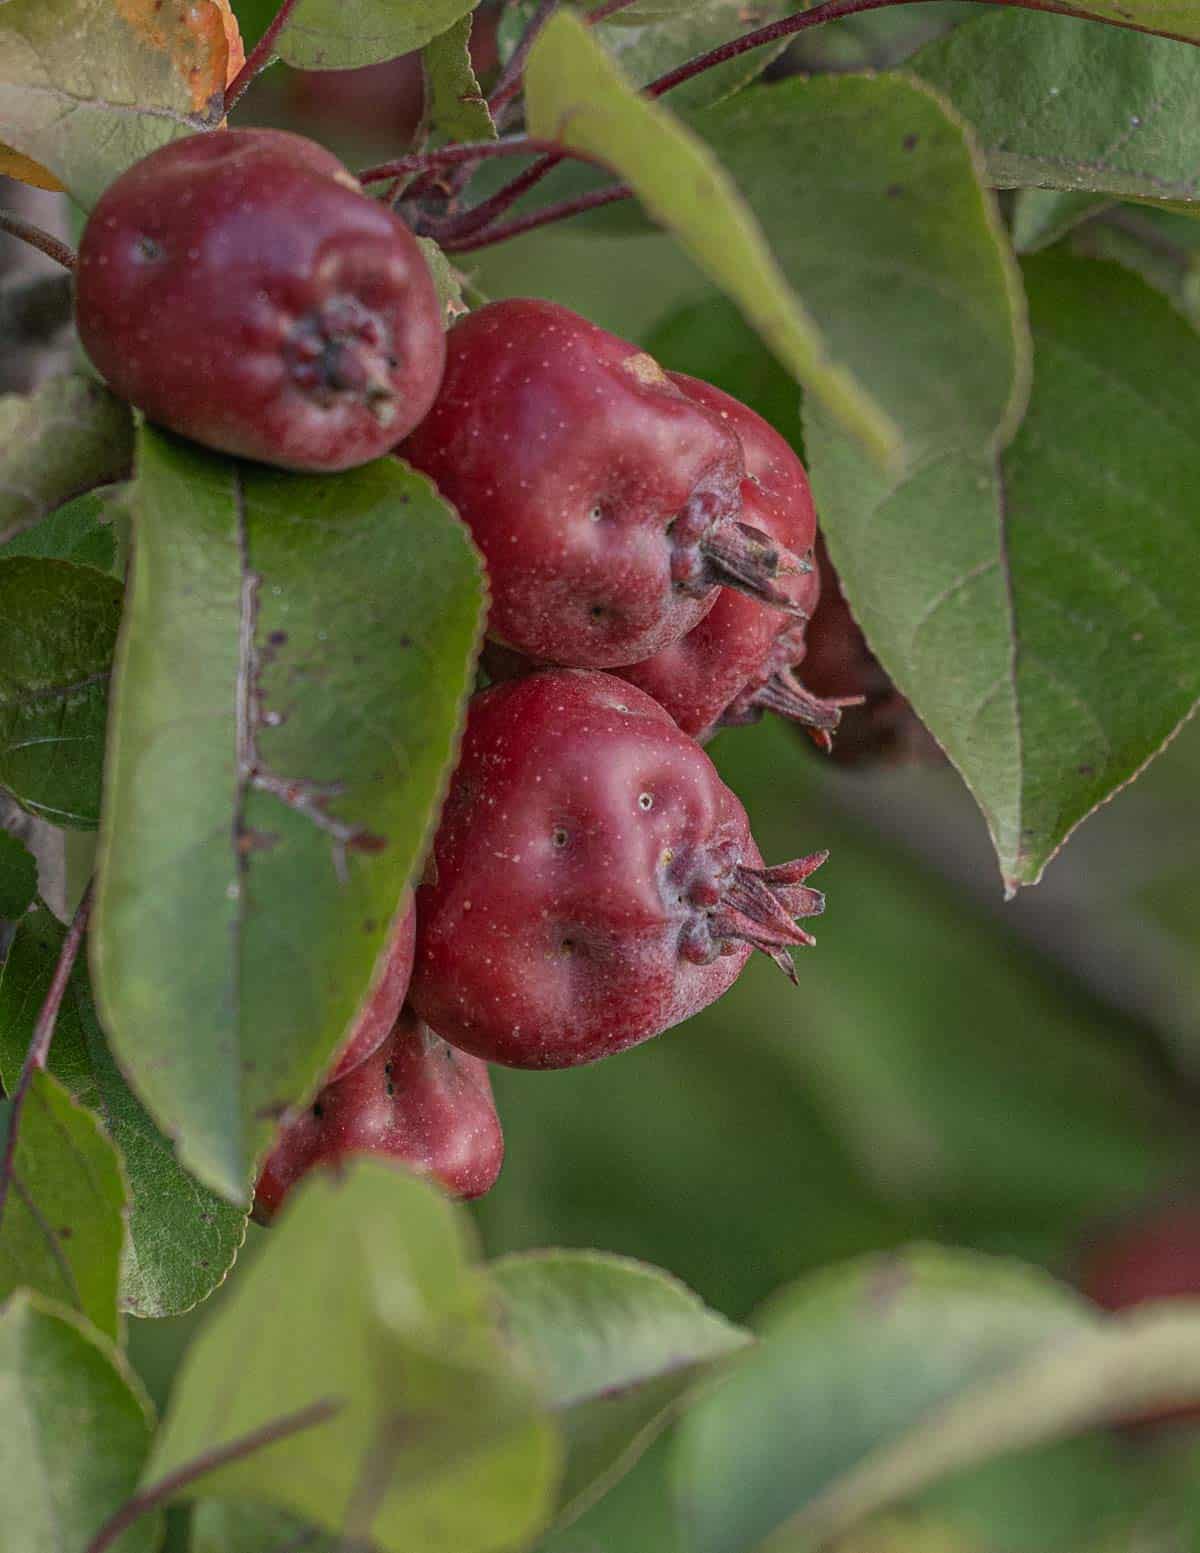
pixel 447 279
pixel 218 1527
pixel 1042 216
pixel 182 1239
pixel 1160 246
pixel 339 34
pixel 64 1217
pixel 1086 108
pixel 455 107
pixel 903 265
pixel 575 93
pixel 849 1362
pixel 1037 611
pixel 87 89
pixel 18 877
pixel 365 1298
pixel 616 1345
pixel 289 683
pixel 1170 18
pixel 68 437
pixel 80 531
pixel 76 1431
pixel 58 630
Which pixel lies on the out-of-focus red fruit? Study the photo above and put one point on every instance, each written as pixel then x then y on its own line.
pixel 607 503
pixel 1154 1255
pixel 593 881
pixel 240 289
pixel 839 666
pixel 415 1100
pixel 385 997
pixel 740 660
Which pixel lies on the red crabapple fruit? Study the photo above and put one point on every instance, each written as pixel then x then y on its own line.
pixel 385 998
pixel 239 288
pixel 593 881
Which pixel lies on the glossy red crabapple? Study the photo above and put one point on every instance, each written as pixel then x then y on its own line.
pixel 593 881
pixel 740 660
pixel 607 503
pixel 415 1100
pixel 385 997
pixel 239 288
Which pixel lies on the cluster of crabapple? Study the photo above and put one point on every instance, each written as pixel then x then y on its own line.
pixel 648 542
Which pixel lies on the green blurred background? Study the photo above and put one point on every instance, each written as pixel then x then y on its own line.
pixel 1008 1077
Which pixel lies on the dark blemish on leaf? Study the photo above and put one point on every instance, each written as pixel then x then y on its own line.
pixel 65 1231
pixel 277 638
pixel 369 925
pixel 888 1280
pixel 1086 771
pixel 404 641
pixel 249 841
pixel 365 841
pixel 910 142
pixel 894 191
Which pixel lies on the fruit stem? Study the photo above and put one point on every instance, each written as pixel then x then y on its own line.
pixel 741 557
pixel 259 57
pixel 17 226
pixel 43 1034
pixel 466 151
pixel 503 230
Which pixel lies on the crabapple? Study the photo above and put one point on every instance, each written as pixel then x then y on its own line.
pixel 593 881
pixel 607 503
pixel 239 288
pixel 739 661
pixel 385 997
pixel 414 1099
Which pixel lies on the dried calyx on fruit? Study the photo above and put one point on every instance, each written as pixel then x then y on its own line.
pixel 740 660
pixel 606 501
pixel 415 1100
pixel 239 288
pixel 593 880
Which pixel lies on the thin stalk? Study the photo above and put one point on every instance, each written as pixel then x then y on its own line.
pixel 17 226
pixel 509 84
pixel 559 211
pixel 465 151
pixel 259 57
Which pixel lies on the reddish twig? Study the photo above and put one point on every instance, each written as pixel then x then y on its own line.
pixel 559 211
pixel 509 84
pixel 17 226
pixel 603 12
pixel 43 1035
pixel 158 1494
pixel 466 151
pixel 260 55
pixel 479 216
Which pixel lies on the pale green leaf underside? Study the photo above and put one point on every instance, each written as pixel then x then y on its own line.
pixel 342 34
pixel 293 661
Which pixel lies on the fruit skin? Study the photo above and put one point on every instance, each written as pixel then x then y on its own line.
pixel 389 988
pixel 605 501
pixel 838 665
pixel 738 661
pixel 593 881
pixel 1153 1255
pixel 240 289
pixel 415 1099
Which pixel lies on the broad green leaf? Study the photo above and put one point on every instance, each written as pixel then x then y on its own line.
pixel 1097 109
pixel 289 684
pixel 218 1527
pixel 18 877
pixel 455 107
pixel 76 1431
pixel 575 93
pixel 850 1362
pixel 339 34
pixel 181 1239
pixel 68 437
pixel 1160 246
pixel 647 47
pixel 902 263
pixel 58 630
pixel 1042 216
pixel 1172 18
pixel 875 40
pixel 63 1222
pixel 1038 611
pixel 615 1345
pixel 79 531
pixel 88 88
pixel 365 1299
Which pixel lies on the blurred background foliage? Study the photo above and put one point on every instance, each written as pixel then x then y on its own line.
pixel 1006 1077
